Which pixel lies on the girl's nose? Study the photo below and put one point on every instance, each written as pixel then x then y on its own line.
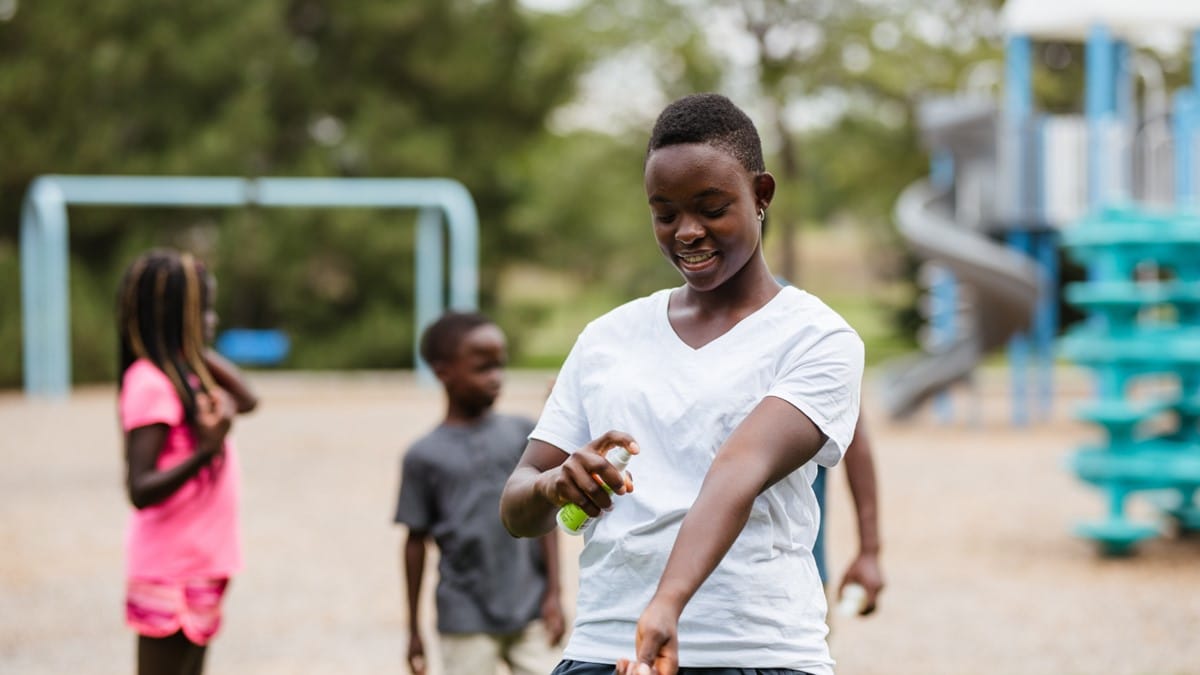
pixel 689 231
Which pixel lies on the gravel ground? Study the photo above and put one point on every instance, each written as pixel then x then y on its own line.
pixel 983 574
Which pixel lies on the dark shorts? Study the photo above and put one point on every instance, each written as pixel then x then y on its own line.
pixel 568 667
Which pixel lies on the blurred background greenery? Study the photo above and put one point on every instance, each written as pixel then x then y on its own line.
pixel 540 108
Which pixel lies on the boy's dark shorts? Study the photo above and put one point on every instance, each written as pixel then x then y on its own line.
pixel 568 667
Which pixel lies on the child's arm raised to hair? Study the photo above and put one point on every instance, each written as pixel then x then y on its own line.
pixel 414 573
pixel 774 440
pixel 548 478
pixel 231 380
pixel 147 485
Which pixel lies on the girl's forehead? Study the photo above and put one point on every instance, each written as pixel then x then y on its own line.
pixel 691 150
pixel 687 165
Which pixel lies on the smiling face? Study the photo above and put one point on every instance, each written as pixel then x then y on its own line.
pixel 705 207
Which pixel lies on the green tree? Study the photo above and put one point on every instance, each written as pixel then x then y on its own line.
pixel 458 88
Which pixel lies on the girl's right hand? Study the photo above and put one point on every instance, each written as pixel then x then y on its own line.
pixel 214 417
pixel 656 641
pixel 578 479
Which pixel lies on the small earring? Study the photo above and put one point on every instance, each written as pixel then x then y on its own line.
pixel 762 214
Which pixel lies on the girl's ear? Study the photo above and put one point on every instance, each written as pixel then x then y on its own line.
pixel 764 189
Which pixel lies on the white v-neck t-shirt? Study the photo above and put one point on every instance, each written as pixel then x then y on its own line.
pixel 764 605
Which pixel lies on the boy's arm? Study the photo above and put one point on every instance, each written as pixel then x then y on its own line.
pixel 860 472
pixel 774 440
pixel 231 380
pixel 552 614
pixel 414 571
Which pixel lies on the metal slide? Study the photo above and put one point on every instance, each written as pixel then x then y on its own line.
pixel 1002 282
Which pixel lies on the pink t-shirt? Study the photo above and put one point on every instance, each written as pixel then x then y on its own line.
pixel 194 533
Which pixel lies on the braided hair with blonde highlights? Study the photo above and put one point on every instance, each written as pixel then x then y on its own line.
pixel 160 317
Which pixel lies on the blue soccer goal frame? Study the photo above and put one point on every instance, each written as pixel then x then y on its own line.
pixel 45 298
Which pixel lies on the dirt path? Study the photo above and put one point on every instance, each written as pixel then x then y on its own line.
pixel 983 574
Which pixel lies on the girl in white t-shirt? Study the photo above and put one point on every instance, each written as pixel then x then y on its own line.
pixel 730 389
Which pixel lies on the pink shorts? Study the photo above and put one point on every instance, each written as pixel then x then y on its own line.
pixel 162 608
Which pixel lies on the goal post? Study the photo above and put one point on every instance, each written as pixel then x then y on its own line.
pixel 45 298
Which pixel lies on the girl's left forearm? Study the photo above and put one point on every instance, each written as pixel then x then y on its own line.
pixel 708 531
pixel 774 440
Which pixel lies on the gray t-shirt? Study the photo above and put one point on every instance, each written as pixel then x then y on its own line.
pixel 450 484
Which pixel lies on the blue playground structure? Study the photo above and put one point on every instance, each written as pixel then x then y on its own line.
pixel 1116 188
pixel 1143 343
pixel 45 302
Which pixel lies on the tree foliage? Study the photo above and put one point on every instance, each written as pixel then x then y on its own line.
pixel 488 92
pixel 457 88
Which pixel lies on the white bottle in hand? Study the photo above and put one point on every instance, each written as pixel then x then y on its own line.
pixel 853 600
pixel 574 520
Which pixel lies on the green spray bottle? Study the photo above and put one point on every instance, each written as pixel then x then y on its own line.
pixel 574 520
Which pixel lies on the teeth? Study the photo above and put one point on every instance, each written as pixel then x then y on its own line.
pixel 693 259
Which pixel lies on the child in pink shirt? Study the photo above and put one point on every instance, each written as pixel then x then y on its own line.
pixel 177 402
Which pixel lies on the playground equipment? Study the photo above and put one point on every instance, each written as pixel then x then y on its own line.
pixel 999 285
pixel 44 226
pixel 1143 343
pixel 1141 262
pixel 1074 180
pixel 1005 174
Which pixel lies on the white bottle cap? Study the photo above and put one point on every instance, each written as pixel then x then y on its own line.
pixel 854 600
pixel 618 456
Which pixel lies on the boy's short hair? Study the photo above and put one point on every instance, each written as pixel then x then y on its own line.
pixel 440 340
pixel 711 119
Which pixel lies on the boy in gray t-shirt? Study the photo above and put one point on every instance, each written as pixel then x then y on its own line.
pixel 497 596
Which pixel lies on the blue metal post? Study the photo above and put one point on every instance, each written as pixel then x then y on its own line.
pixel 1019 346
pixel 429 273
pixel 1018 105
pixel 1045 322
pixel 1018 113
pixel 1186 123
pixel 1099 107
pixel 45 290
pixel 943 289
pixel 33 290
pixel 1099 110
pixel 1186 110
pixel 1045 251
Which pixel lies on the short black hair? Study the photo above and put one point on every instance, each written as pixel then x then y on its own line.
pixel 441 339
pixel 711 119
